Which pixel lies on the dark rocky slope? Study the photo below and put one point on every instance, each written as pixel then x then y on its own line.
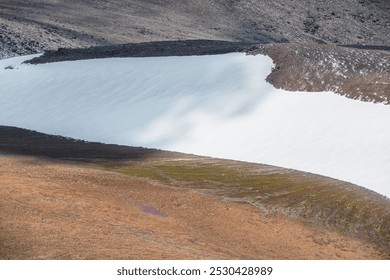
pixel 146 49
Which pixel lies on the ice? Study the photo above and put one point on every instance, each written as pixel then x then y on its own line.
pixel 218 106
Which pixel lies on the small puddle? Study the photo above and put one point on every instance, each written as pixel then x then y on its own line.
pixel 151 210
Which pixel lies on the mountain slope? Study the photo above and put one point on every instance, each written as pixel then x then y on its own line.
pixel 33 26
pixel 30 26
pixel 356 73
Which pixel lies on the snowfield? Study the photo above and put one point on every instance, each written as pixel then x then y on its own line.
pixel 218 106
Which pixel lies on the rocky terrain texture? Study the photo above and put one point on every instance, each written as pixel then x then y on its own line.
pixel 33 26
pixel 146 49
pixel 357 73
pixel 91 200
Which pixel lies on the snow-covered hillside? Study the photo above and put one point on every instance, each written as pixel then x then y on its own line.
pixel 218 106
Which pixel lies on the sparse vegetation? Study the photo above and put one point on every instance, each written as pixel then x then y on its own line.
pixel 335 204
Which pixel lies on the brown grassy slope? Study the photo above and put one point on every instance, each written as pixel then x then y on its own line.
pixel 322 202
pixel 335 204
pixel 54 210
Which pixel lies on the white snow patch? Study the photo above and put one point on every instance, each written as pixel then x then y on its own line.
pixel 217 106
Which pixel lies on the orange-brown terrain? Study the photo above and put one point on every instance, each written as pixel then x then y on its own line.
pixel 59 210
pixel 62 198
